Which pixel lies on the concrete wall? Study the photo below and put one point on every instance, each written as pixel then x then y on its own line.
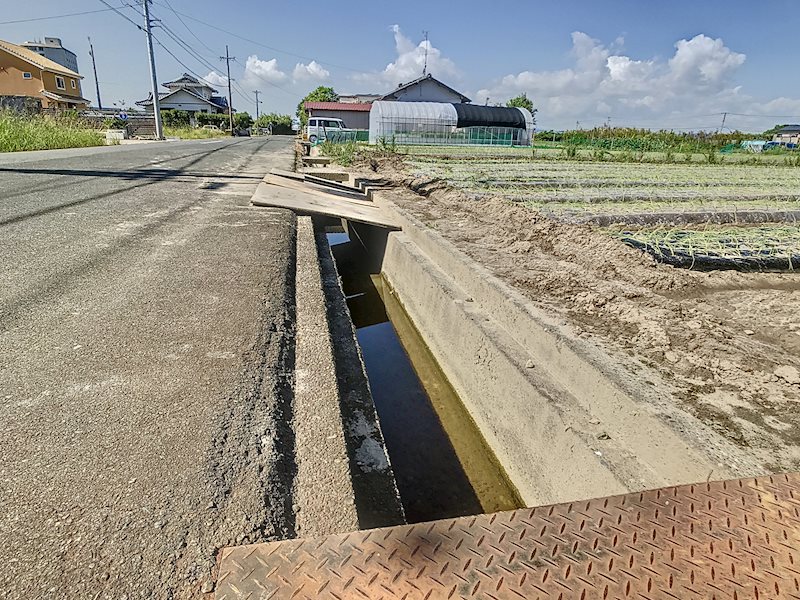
pixel 560 420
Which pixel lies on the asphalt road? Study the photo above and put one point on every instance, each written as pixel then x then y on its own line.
pixel 145 310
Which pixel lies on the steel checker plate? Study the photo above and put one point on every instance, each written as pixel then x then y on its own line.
pixel 732 539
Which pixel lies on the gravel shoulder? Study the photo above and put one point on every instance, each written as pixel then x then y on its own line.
pixel 146 336
pixel 721 347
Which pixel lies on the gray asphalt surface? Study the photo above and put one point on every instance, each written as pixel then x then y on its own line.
pixel 145 310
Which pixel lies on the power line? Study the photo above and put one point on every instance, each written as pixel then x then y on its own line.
pixel 75 14
pixel 766 116
pixel 185 46
pixel 169 5
pixel 123 15
pixel 236 35
pixel 267 81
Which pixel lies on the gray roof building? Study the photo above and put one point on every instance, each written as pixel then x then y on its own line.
pixel 425 89
pixel 52 49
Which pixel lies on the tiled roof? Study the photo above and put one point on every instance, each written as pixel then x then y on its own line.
pixel 38 60
pixel 430 77
pixel 351 106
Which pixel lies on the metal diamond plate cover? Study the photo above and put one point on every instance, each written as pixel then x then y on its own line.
pixel 735 540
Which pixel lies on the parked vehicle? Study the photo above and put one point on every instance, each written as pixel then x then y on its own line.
pixel 211 127
pixel 317 126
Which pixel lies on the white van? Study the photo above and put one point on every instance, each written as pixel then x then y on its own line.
pixel 315 130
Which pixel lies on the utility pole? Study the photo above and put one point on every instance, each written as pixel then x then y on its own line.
pixel 721 127
pixel 96 83
pixel 257 102
pixel 425 68
pixel 153 78
pixel 228 58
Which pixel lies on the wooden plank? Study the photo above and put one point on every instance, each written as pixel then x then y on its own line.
pixel 326 183
pixel 313 188
pixel 328 174
pixel 304 203
pixel 317 160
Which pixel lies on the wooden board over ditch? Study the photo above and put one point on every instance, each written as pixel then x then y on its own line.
pixel 315 201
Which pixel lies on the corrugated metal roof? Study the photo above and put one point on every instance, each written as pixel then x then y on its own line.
pixel 37 59
pixel 351 106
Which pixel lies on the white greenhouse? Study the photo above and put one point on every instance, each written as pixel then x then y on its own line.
pixel 438 123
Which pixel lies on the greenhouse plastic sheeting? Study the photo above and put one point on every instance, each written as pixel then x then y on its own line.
pixel 440 123
pixel 386 119
pixel 470 115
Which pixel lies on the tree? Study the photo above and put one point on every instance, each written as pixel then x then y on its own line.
pixel 321 94
pixel 522 101
pixel 770 132
pixel 242 120
pixel 281 124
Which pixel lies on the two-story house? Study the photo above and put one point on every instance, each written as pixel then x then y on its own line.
pixel 26 73
pixel 190 94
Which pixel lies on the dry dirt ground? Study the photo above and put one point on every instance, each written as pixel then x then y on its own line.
pixel 726 344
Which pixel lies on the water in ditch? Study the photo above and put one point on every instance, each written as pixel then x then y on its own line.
pixel 442 465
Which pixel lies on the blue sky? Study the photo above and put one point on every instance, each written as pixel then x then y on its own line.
pixel 677 64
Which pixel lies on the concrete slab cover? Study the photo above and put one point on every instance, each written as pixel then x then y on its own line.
pixel 304 203
pixel 728 539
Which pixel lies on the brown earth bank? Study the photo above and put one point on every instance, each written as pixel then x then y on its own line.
pixel 725 344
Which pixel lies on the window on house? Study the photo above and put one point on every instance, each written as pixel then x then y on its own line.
pixel 27 75
pixel 72 81
pixel 60 83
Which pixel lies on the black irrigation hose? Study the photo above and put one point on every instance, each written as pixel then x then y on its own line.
pixel 708 262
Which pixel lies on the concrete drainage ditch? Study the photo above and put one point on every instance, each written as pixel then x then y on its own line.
pixel 483 402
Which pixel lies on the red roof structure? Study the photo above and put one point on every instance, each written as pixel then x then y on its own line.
pixel 353 106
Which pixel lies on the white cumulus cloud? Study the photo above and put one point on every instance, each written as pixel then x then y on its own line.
pixel 311 71
pixel 215 79
pixel 409 63
pixel 257 71
pixel 603 81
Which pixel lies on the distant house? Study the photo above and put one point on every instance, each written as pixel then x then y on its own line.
pixel 25 73
pixel 789 134
pixel 51 48
pixel 425 89
pixel 354 109
pixel 354 114
pixel 190 94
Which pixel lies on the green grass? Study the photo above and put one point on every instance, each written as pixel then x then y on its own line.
pixel 192 133
pixel 19 133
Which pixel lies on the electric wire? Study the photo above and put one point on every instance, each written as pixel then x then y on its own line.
pixel 75 14
pixel 255 43
pixel 169 5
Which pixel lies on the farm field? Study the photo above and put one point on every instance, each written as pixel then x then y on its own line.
pixel 681 274
pixel 689 215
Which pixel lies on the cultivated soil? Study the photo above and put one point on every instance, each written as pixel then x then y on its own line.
pixel 726 345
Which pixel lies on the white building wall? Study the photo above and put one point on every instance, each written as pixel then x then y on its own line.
pixel 183 101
